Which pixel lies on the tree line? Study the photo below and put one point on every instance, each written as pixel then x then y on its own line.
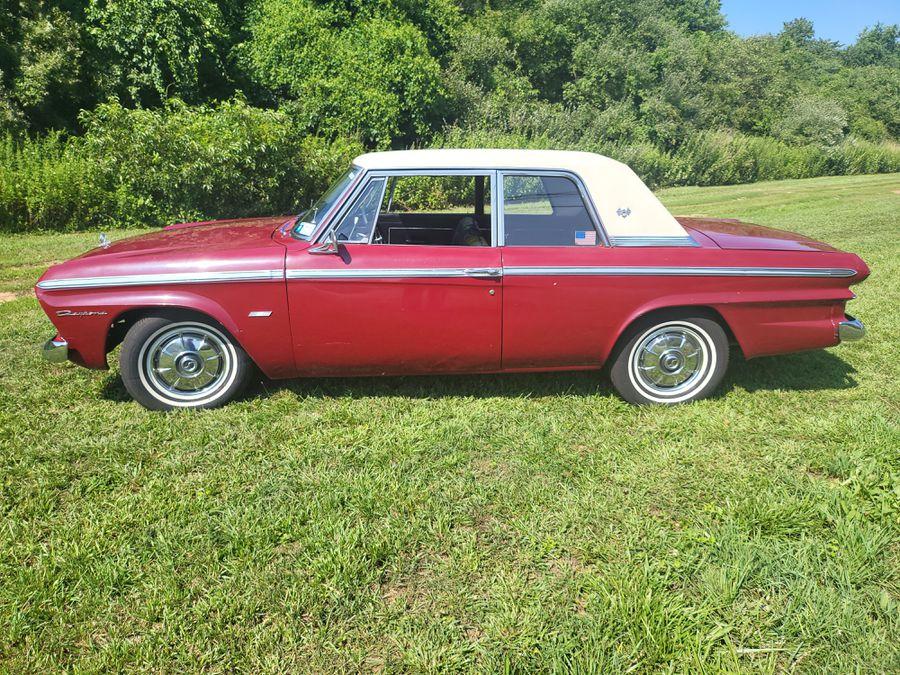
pixel 297 86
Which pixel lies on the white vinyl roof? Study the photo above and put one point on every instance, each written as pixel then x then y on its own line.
pixel 626 206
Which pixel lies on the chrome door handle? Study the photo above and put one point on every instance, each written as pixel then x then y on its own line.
pixel 484 272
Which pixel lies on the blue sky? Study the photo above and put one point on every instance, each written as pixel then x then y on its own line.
pixel 839 21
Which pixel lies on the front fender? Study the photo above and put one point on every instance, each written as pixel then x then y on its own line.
pixel 85 317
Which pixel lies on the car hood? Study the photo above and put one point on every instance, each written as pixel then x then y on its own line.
pixel 213 235
pixel 734 234
pixel 185 248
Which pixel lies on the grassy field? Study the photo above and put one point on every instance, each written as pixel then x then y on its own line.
pixel 466 523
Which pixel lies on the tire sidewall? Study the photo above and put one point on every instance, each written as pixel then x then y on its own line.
pixel 132 364
pixel 714 342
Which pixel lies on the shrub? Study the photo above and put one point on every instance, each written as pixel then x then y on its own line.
pixel 185 163
pixel 708 157
pixel 141 167
pixel 45 186
pixel 811 119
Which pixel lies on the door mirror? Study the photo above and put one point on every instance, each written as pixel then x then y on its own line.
pixel 328 247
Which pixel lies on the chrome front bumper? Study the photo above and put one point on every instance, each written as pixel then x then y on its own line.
pixel 851 329
pixel 56 350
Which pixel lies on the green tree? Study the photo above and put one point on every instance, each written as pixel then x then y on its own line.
pixel 44 78
pixel 158 48
pixel 876 46
pixel 373 77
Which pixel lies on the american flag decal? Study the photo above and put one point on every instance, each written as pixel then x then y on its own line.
pixel 585 238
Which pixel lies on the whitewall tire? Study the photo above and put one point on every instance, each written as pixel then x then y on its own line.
pixel 185 361
pixel 670 358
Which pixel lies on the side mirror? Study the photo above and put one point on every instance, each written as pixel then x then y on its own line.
pixel 328 247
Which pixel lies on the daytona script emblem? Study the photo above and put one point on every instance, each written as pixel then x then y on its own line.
pixel 69 312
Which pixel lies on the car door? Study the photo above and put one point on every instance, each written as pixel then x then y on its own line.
pixel 379 307
pixel 553 317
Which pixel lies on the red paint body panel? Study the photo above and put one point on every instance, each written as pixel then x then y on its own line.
pixel 266 340
pixel 734 234
pixel 354 326
pixel 409 325
pixel 549 321
pixel 217 239
pixel 232 247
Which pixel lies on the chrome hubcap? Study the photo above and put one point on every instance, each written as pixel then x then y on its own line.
pixel 187 362
pixel 671 360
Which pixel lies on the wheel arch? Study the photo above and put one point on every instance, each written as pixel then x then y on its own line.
pixel 122 322
pixel 705 311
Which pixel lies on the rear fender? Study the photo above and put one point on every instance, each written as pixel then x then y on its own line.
pixel 762 322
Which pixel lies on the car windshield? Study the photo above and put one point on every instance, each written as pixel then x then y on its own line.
pixel 306 222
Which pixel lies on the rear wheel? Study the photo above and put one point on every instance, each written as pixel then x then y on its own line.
pixel 184 362
pixel 670 358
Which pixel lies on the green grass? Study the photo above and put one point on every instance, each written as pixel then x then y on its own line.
pixel 466 523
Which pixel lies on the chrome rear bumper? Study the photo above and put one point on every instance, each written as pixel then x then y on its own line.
pixel 56 350
pixel 851 329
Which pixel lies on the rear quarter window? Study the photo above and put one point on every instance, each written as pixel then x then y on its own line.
pixel 545 211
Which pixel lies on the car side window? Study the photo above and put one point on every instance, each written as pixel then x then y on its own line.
pixel 435 210
pixel 356 226
pixel 545 211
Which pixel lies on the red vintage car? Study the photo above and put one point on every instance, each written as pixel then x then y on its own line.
pixel 451 261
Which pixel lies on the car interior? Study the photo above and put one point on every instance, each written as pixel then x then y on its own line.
pixel 436 211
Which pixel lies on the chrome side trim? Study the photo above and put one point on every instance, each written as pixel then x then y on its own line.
pixel 408 273
pixel 260 314
pixel 636 240
pixel 277 275
pixel 496 273
pixel 55 350
pixel 851 329
pixel 681 271
pixel 160 279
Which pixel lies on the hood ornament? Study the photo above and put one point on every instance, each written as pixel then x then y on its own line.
pixel 104 240
pixel 623 213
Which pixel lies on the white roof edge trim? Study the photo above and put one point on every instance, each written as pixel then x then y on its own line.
pixel 627 207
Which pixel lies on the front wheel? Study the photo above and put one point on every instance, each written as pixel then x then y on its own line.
pixel 185 362
pixel 670 359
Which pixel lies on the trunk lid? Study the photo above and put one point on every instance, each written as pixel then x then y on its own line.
pixel 733 234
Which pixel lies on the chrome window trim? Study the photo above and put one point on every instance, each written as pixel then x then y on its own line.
pixel 380 202
pixel 160 279
pixel 586 197
pixel 681 271
pixel 338 207
pixel 640 240
pixel 496 190
pixel 368 176
pixel 351 204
